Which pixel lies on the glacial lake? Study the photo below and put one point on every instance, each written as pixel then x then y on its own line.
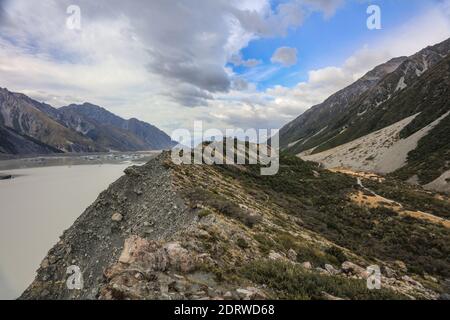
pixel 37 205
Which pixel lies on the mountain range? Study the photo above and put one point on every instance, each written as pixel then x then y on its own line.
pixel 31 127
pixel 394 120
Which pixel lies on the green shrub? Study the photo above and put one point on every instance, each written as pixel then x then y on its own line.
pixel 224 206
pixel 290 281
pixel 204 213
pixel 242 243
pixel 378 233
pixel 265 243
pixel 315 256
pixel 337 253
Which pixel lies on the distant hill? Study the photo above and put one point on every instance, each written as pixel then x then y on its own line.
pixel 32 127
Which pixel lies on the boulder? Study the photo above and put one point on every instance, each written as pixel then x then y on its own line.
pixel 401 266
pixel 244 294
pixel 331 270
pixel 116 217
pixel 275 256
pixel 352 268
pixel 412 282
pixel 132 171
pixel 321 270
pixel 388 272
pixel 307 265
pixel 179 258
pixel 251 293
pixel 161 265
pixel 431 278
pixel 131 249
pixel 328 296
pixel 45 263
pixel 292 255
pixel 228 295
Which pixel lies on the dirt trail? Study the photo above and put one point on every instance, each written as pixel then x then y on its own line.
pixel 373 200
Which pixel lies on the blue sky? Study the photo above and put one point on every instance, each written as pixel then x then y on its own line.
pixel 323 41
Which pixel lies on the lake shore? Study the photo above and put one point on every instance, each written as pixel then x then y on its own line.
pixel 68 159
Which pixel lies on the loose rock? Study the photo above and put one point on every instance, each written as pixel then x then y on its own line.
pixel 350 267
pixel 117 217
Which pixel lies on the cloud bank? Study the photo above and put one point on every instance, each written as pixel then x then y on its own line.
pixel 168 62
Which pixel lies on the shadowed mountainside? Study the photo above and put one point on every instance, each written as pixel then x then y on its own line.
pixel 84 128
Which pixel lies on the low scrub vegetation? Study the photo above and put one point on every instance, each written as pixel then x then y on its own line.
pixel 223 206
pixel 320 199
pixel 410 197
pixel 289 281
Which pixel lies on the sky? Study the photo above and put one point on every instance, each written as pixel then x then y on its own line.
pixel 230 63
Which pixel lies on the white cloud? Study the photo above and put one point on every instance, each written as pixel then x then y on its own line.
pixel 174 51
pixel 285 56
pixel 237 60
pixel 152 59
pixel 431 27
pixel 240 84
pixel 328 7
pixel 328 75
pixel 268 23
pixel 276 106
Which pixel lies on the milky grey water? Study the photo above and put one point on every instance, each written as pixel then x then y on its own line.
pixel 36 207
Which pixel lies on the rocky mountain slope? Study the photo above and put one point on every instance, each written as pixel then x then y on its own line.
pixel 111 131
pixel 12 142
pixel 85 128
pixel 384 151
pixel 26 117
pixel 418 85
pixel 314 122
pixel 166 231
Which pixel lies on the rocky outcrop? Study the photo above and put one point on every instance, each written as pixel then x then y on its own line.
pixel 5 176
pixel 149 269
pixel 351 268
pixel 96 239
pixel 165 270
